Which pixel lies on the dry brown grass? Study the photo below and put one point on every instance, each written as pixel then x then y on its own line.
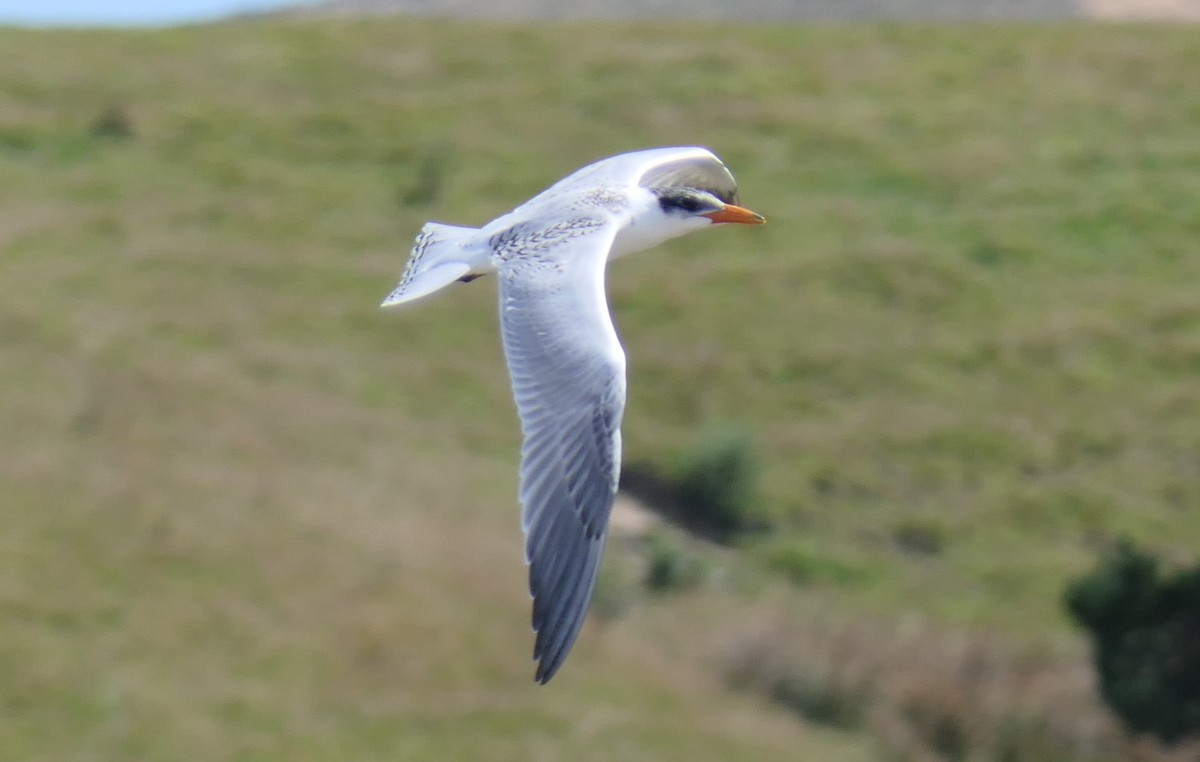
pixel 932 695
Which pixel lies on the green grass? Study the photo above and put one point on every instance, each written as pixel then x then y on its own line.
pixel 248 516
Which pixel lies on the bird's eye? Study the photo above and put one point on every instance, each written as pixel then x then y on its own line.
pixel 689 204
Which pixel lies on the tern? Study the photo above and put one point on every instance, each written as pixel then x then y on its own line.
pixel 564 358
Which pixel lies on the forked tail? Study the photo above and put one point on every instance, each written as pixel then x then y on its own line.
pixel 440 256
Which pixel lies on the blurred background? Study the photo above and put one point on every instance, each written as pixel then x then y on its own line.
pixel 913 472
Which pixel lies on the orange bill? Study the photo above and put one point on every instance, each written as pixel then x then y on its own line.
pixel 737 214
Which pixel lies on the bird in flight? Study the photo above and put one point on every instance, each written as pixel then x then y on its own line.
pixel 564 358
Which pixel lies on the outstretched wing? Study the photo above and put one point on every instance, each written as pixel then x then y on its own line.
pixel 568 377
pixel 677 167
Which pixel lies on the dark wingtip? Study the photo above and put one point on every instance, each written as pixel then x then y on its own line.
pixel 550 657
pixel 546 669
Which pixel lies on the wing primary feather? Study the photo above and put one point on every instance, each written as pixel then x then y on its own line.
pixel 557 653
pixel 559 576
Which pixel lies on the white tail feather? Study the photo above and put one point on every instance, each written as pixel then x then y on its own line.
pixel 439 257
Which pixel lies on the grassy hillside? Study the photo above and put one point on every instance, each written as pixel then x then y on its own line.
pixel 248 516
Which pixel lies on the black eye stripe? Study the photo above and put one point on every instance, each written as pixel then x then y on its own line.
pixel 682 201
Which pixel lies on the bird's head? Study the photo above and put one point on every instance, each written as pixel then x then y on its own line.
pixel 704 206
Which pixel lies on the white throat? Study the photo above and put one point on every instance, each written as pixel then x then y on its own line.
pixel 650 225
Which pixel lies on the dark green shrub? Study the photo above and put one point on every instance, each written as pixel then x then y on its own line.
pixel 113 122
pixel 1145 631
pixel 919 537
pixel 821 699
pixel 670 567
pixel 717 484
pixel 803 566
